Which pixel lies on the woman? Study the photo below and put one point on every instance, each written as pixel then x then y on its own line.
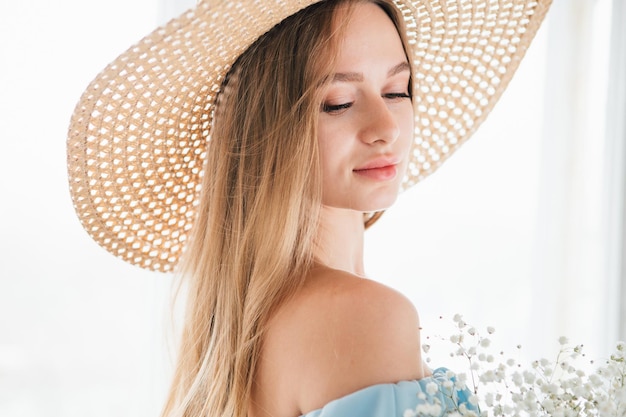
pixel 314 115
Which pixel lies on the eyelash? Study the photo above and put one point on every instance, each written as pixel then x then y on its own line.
pixel 398 95
pixel 328 108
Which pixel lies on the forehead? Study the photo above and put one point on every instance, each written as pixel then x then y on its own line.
pixel 366 33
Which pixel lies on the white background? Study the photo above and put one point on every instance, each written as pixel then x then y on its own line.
pixel 510 232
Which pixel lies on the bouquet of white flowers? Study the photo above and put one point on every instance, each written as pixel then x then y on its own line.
pixel 503 387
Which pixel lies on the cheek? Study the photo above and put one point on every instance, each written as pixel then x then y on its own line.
pixel 326 161
pixel 407 126
pixel 334 146
pixel 325 149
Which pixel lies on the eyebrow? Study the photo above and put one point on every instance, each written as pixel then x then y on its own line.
pixel 358 76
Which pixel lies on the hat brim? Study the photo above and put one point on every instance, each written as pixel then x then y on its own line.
pixel 137 139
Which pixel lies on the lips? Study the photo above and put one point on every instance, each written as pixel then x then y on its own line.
pixel 380 169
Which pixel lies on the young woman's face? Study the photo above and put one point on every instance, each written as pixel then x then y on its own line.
pixel 365 126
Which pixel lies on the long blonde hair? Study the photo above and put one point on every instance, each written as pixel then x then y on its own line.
pixel 252 243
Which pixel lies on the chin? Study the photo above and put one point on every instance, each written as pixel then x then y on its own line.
pixel 380 203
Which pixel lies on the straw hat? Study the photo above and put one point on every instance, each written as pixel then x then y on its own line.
pixel 138 136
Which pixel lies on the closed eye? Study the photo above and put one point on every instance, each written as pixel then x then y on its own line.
pixel 335 108
pixel 397 95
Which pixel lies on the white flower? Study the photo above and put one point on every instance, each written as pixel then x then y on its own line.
pixel 488 376
pixel 506 387
pixel 460 385
pixel 529 377
pixel 548 404
pixel 428 410
pixel 432 388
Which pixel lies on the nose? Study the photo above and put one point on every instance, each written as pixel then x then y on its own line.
pixel 380 124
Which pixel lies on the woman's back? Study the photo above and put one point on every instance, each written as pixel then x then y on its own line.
pixel 338 334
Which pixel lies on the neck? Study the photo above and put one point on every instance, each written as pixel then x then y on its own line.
pixel 339 243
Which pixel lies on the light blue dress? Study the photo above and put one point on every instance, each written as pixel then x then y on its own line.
pixel 393 400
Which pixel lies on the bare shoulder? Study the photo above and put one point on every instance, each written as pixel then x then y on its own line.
pixel 341 333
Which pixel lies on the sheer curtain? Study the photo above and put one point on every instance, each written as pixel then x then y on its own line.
pixel 616 172
pixel 570 268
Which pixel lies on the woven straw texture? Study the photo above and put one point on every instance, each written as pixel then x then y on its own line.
pixel 137 139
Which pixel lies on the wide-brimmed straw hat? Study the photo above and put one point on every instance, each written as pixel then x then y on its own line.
pixel 138 137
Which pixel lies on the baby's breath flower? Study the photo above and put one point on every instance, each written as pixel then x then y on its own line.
pixel 460 384
pixel 489 399
pixel 517 379
pixel 432 388
pixel 488 376
pixel 504 387
pixel 548 404
pixel 427 409
pixel 529 377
